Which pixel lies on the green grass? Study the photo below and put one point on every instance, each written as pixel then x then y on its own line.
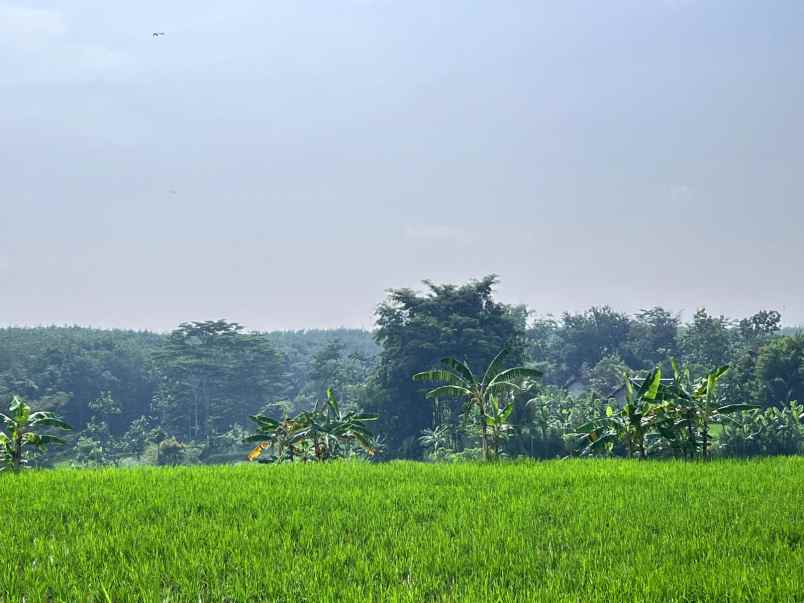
pixel 556 531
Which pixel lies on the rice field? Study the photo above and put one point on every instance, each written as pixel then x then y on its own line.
pixel 591 530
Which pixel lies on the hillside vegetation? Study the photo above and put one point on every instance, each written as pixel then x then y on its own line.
pixel 192 391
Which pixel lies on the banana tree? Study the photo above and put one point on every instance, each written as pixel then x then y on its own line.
pixel 20 431
pixel 497 422
pixel 697 407
pixel 479 394
pixel 436 439
pixel 348 429
pixel 323 433
pixel 281 436
pixel 629 425
pixel 334 433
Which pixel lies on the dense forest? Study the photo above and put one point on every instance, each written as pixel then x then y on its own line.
pixel 188 395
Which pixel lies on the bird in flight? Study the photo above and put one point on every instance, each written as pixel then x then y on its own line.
pixel 159 33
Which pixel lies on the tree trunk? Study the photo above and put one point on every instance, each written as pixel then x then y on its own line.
pixel 691 435
pixel 16 455
pixel 484 431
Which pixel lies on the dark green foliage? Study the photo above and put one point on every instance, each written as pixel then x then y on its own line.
pixel 587 338
pixel 485 400
pixel 652 338
pixel 323 434
pixel 771 431
pixel 416 330
pixel 215 372
pixel 708 340
pixel 127 391
pixel 64 368
pixel 780 371
pixel 663 417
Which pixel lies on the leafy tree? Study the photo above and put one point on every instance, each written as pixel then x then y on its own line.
pixel 652 337
pixel 21 431
pixel 779 372
pixel 415 330
pixel 588 337
pixel 342 430
pixel 760 327
pixel 676 416
pixel 606 376
pixel 691 407
pixel 281 436
pixel 497 424
pixel 217 371
pixel 553 419
pixel 707 341
pixel 631 424
pixel 544 342
pixel 489 395
pixel 137 437
pixel 772 431
pixel 89 452
pixel 435 440
pixel 171 451
pixel 105 406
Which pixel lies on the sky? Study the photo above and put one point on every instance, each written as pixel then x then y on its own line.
pixel 283 163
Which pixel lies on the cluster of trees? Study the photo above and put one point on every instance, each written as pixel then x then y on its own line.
pixel 183 396
pixel 674 418
pixel 189 395
pixel 322 434
pixel 582 357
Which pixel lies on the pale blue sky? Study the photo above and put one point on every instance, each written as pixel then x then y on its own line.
pixel 631 153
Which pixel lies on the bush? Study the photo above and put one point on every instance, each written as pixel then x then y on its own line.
pixel 773 431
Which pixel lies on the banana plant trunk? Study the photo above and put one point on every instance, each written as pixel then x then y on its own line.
pixel 692 443
pixel 16 454
pixel 483 431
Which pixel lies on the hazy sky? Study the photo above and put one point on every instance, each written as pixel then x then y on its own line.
pixel 282 163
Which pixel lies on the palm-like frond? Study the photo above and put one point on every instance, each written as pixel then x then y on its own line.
pixel 496 364
pixel 730 408
pixel 47 420
pixel 517 374
pixel 442 375
pixel 265 422
pixel 448 391
pixel 501 387
pixel 461 369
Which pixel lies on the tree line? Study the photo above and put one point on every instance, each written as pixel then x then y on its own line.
pixel 189 394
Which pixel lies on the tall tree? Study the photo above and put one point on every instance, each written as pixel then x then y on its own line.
pixel 779 371
pixel 218 371
pixel 588 337
pixel 707 341
pixel 418 329
pixel 653 337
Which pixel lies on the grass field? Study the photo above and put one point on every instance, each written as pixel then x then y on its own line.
pixel 556 531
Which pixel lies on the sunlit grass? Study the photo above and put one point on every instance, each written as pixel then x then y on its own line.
pixel 556 531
